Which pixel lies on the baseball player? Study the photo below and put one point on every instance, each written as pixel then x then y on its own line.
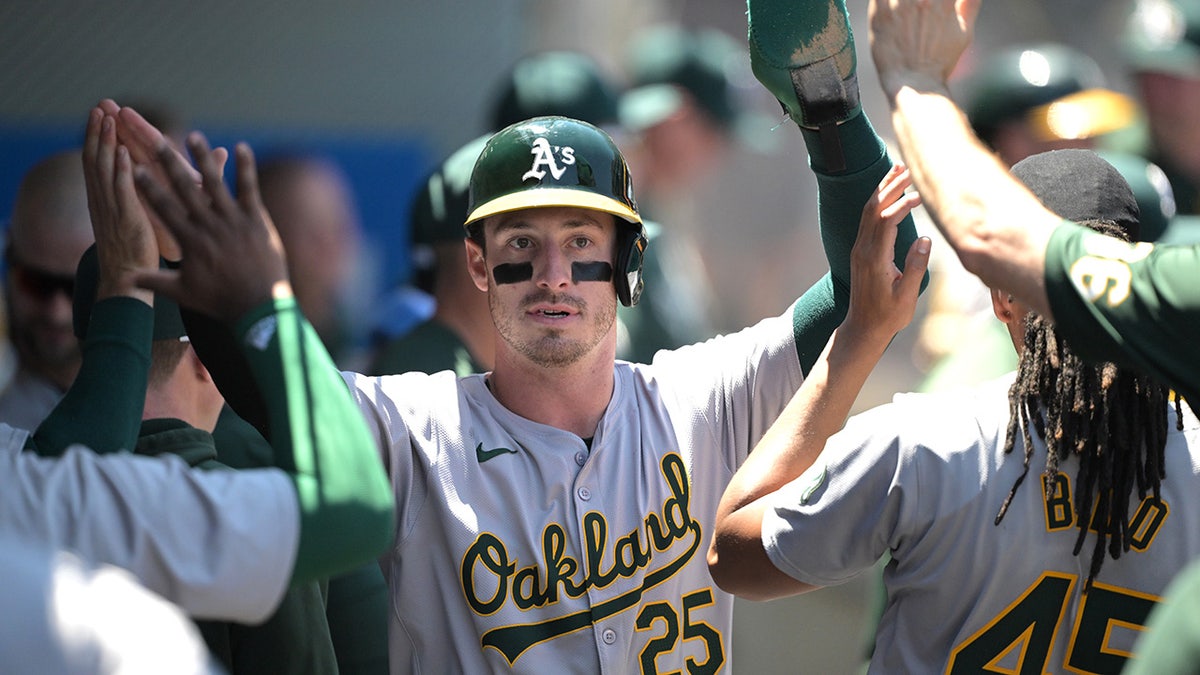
pixel 983 575
pixel 181 409
pixel 1133 303
pixel 552 512
pixel 1137 303
pixel 324 509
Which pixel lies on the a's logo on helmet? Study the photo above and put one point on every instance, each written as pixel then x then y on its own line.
pixel 543 157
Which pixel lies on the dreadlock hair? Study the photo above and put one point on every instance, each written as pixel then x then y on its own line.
pixel 1112 418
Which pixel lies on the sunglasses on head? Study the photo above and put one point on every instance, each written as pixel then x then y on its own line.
pixel 36 282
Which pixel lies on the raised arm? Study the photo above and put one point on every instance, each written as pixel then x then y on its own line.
pixel 103 407
pixel 233 270
pixel 997 228
pixel 882 302
pixel 803 52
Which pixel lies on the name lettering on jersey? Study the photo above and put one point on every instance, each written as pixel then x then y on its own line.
pixel 608 557
pixel 543 156
pixel 1144 524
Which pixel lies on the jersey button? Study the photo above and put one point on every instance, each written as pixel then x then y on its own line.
pixel 580 458
pixel 584 494
pixel 610 636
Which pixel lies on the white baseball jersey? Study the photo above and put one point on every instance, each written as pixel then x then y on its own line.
pixel 923 478
pixel 220 544
pixel 518 549
pixel 65 617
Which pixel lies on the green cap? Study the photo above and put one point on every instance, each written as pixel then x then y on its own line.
pixel 1059 91
pixel 1164 36
pixel 555 83
pixel 551 161
pixel 168 323
pixel 665 63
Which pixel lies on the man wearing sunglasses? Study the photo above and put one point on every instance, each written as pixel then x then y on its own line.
pixel 49 231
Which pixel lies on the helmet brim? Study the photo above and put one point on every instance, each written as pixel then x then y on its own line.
pixel 546 197
pixel 1083 114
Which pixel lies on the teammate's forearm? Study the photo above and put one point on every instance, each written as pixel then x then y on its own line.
pixel 321 439
pixel 816 412
pixel 997 228
pixel 103 407
pixel 737 559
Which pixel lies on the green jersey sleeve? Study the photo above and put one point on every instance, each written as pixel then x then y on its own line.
pixel 1135 304
pixel 321 439
pixel 823 306
pixel 103 407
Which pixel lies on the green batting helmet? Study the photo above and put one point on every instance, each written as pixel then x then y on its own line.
pixel 559 161
pixel 1058 90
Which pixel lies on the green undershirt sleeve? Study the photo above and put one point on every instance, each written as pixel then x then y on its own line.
pixel 321 439
pixel 840 200
pixel 103 407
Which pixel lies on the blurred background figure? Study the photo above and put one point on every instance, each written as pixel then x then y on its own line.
pixel 1162 50
pixel 1160 221
pixel 557 82
pixel 682 106
pixel 1021 101
pixel 689 120
pixel 1028 99
pixel 459 334
pixel 680 114
pixel 313 208
pixel 49 230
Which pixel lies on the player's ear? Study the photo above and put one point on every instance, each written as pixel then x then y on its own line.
pixel 476 263
pixel 1012 313
pixel 196 366
pixel 1007 308
pixel 1002 305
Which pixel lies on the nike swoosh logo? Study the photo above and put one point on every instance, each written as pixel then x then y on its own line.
pixel 484 455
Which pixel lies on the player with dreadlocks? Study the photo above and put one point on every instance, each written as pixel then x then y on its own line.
pixel 921 480
pixel 1113 419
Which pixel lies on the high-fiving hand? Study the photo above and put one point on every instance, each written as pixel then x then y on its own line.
pixel 882 298
pixel 125 243
pixel 919 40
pixel 232 256
pixel 141 139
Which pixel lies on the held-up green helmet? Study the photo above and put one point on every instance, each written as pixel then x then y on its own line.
pixel 559 161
